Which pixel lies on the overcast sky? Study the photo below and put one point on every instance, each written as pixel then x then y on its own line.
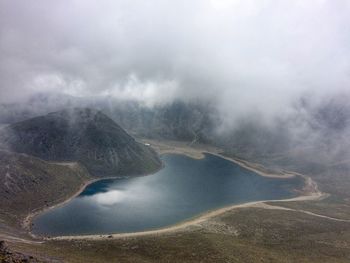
pixel 242 54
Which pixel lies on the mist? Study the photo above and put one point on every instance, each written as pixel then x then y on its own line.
pixel 246 56
pixel 268 67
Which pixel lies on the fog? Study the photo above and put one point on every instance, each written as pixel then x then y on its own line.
pixel 246 56
pixel 283 66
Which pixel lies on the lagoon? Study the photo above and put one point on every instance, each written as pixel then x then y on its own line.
pixel 183 189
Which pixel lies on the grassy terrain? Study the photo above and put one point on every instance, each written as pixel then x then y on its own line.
pixel 243 235
pixel 246 235
pixel 30 184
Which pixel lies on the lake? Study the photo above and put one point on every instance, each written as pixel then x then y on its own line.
pixel 184 188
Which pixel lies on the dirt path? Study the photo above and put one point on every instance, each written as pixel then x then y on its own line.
pixel 269 206
pixel 322 216
pixel 18 239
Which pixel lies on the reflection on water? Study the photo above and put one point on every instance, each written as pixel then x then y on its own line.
pixel 184 188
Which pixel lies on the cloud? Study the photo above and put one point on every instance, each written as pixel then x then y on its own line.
pixel 246 56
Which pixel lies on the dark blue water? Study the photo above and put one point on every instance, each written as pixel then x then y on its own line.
pixel 184 188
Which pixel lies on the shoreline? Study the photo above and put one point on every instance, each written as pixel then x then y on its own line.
pixel 192 222
pixel 28 220
pixel 173 147
pixel 253 167
pixel 310 191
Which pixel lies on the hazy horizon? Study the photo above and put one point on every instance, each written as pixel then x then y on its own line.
pixel 244 56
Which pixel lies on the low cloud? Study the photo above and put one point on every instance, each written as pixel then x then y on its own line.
pixel 247 57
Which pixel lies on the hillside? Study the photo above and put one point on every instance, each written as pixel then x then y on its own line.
pixel 83 135
pixel 192 121
pixel 28 183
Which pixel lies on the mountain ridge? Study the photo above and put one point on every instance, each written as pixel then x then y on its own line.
pixel 84 135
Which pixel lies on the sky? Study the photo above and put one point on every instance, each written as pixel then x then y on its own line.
pixel 243 55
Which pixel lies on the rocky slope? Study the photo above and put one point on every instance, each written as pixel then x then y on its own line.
pixel 9 256
pixel 190 121
pixel 28 183
pixel 83 135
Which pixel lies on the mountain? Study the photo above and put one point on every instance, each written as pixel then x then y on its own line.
pixel 37 105
pixel 313 121
pixel 83 135
pixel 28 183
pixel 191 121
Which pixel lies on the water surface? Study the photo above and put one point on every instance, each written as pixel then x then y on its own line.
pixel 184 188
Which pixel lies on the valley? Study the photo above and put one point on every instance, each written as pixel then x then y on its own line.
pixel 234 228
pixel 212 131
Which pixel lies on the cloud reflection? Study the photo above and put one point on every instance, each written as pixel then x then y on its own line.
pixel 110 198
pixel 136 192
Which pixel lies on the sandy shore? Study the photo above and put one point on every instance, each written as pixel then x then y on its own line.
pixel 309 192
pixel 257 168
pixel 197 152
pixel 27 222
pixel 196 221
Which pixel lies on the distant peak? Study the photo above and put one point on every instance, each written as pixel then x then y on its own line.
pixel 77 111
pixel 78 114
